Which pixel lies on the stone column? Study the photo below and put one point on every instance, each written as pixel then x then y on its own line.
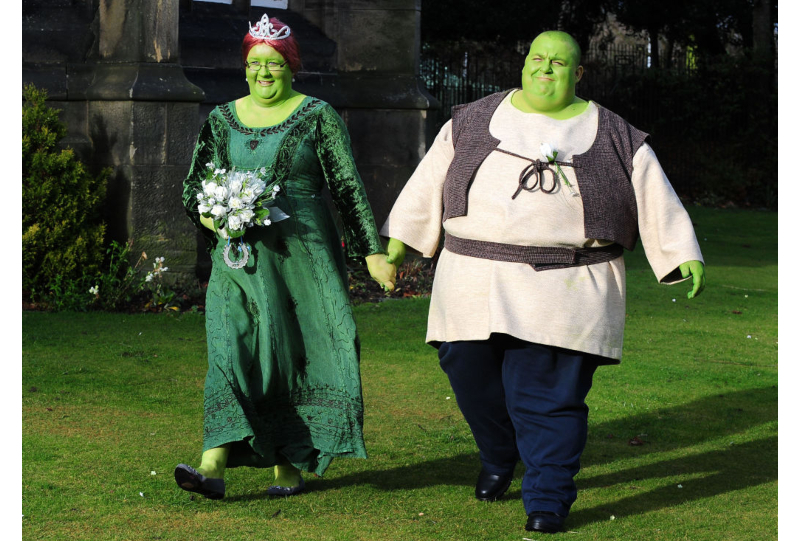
pixel 142 119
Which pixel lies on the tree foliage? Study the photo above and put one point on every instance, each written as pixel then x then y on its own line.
pixel 509 21
pixel 62 229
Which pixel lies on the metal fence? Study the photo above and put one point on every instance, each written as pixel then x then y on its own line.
pixel 469 71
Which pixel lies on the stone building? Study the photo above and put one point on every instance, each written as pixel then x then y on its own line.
pixel 136 78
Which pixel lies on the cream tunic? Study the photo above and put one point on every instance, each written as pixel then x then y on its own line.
pixel 578 308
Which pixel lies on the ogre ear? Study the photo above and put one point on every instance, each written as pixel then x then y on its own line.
pixel 578 73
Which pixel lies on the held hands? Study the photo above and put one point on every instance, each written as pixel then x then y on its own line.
pixel 397 252
pixel 696 270
pixel 382 270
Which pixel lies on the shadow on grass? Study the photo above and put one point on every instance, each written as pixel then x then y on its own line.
pixel 707 418
pixel 708 474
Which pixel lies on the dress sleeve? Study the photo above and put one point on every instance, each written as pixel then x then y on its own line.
pixel 210 148
pixel 665 227
pixel 344 182
pixel 416 217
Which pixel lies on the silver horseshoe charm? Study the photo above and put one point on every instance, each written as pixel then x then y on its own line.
pixel 243 249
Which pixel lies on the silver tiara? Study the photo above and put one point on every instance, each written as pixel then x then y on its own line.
pixel 265 30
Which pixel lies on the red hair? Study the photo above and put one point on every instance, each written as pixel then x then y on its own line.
pixel 287 47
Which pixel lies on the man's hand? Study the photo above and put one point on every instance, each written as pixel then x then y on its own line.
pixel 382 271
pixel 397 252
pixel 697 271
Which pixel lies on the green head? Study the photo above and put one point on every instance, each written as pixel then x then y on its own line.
pixel 272 83
pixel 552 68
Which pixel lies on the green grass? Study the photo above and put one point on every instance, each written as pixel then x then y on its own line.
pixel 110 398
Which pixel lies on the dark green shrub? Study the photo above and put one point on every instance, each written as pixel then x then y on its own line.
pixel 62 229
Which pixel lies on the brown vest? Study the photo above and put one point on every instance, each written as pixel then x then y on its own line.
pixel 603 172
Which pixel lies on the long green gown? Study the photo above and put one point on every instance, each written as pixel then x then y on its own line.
pixel 283 354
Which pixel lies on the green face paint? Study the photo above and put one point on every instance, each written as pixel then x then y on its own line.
pixel 549 76
pixel 272 83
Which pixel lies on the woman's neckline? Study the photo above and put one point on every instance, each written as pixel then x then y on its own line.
pixel 235 113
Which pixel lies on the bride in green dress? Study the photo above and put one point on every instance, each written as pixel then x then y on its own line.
pixel 283 386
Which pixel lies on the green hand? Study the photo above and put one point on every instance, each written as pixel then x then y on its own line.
pixel 384 272
pixel 697 271
pixel 397 252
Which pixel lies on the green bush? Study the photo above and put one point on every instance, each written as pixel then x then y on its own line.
pixel 62 229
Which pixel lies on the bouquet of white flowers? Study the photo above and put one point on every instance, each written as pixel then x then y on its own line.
pixel 236 200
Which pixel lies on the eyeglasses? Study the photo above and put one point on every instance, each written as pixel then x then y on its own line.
pixel 271 66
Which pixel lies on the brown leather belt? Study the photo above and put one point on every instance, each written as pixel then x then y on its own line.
pixel 539 257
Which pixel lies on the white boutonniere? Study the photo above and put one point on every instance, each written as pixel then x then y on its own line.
pixel 550 153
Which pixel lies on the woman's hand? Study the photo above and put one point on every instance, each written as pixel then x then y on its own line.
pixel 382 271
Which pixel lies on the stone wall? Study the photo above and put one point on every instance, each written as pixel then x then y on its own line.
pixel 136 78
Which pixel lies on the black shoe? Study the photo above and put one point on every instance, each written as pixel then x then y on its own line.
pixel 190 479
pixel 544 522
pixel 491 487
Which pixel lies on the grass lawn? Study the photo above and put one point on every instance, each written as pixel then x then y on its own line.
pixel 112 402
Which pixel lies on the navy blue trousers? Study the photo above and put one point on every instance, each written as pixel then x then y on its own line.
pixel 525 401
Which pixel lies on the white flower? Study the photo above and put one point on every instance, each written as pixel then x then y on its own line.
pixel 548 151
pixel 246 215
pixel 164 269
pixel 276 188
pixel 159 260
pixel 218 211
pixel 210 165
pixel 203 208
pixel 221 193
pixel 234 222
pixel 149 277
pixel 209 188
pixel 235 203
pixel 94 290
pixel 248 195
pixel 236 186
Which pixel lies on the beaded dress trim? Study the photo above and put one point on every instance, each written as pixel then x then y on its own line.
pixel 230 118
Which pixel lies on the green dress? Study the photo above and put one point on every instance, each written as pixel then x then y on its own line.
pixel 283 354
